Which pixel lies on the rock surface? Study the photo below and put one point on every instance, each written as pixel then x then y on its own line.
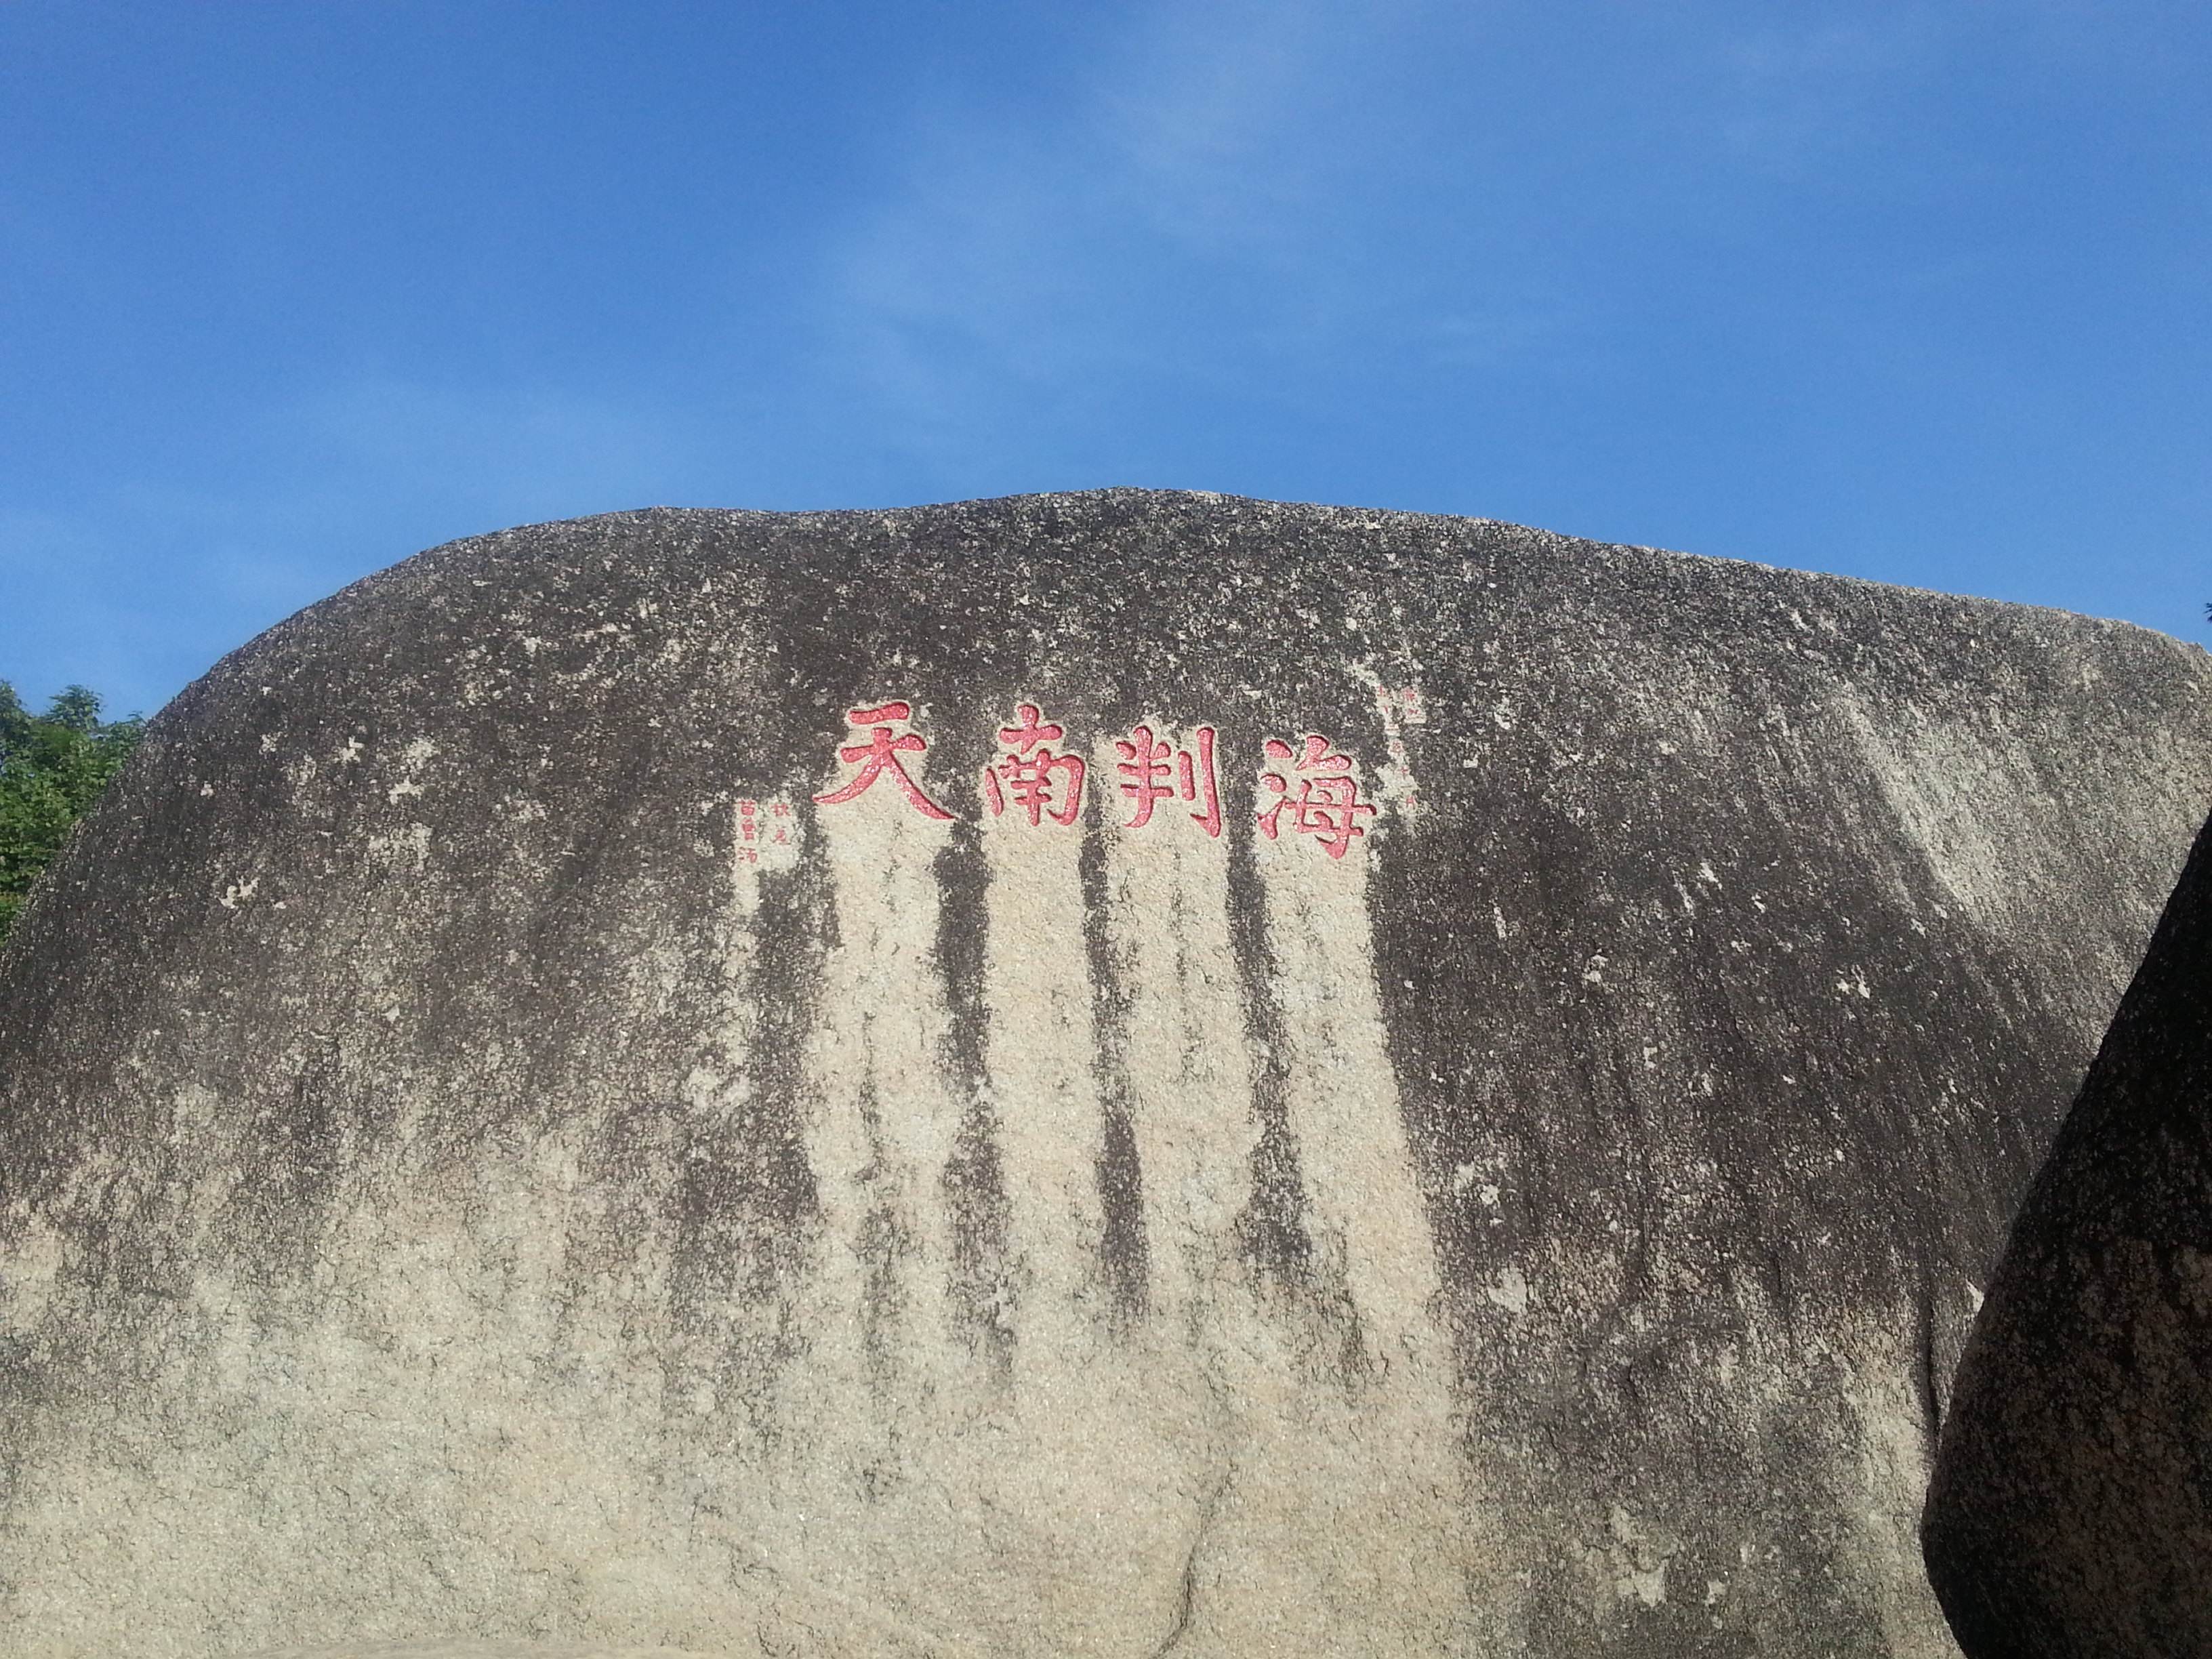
pixel 2071 1511
pixel 549 1105
pixel 472 1650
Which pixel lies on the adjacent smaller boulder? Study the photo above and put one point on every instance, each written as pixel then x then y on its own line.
pixel 2071 1509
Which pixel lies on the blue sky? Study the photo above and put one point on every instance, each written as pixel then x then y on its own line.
pixel 1913 291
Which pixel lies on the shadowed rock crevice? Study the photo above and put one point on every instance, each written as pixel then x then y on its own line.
pixel 2071 1511
pixel 1186 1606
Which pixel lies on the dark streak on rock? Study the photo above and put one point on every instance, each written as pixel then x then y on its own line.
pixel 1271 1231
pixel 982 1289
pixel 745 1205
pixel 1927 1376
pixel 752 1162
pixel 1124 1252
pixel 883 1239
pixel 290 1165
pixel 797 929
pixel 962 923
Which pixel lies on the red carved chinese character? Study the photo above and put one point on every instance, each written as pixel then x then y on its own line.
pixel 879 755
pixel 1033 772
pixel 1146 770
pixel 1328 804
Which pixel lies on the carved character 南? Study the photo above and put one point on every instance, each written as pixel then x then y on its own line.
pixel 1040 780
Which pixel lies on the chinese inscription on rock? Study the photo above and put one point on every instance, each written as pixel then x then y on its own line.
pixel 1040 780
pixel 1311 790
pixel 880 755
pixel 1146 770
pixel 764 825
pixel 1328 804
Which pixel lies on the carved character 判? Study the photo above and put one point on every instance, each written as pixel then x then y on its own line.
pixel 1148 763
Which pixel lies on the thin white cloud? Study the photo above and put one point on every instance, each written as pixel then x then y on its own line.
pixel 1210 203
pixel 1209 111
pixel 1796 93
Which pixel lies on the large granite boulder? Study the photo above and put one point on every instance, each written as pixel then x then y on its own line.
pixel 1084 1074
pixel 2071 1512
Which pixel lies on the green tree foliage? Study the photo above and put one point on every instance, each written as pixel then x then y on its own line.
pixel 52 768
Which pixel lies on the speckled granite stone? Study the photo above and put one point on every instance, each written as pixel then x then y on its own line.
pixel 466 1649
pixel 1101 1073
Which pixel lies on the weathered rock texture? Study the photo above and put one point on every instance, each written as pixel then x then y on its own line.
pixel 487 1152
pixel 2071 1511
pixel 465 1649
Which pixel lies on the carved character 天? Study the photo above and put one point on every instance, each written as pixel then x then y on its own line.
pixel 1154 770
pixel 880 755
